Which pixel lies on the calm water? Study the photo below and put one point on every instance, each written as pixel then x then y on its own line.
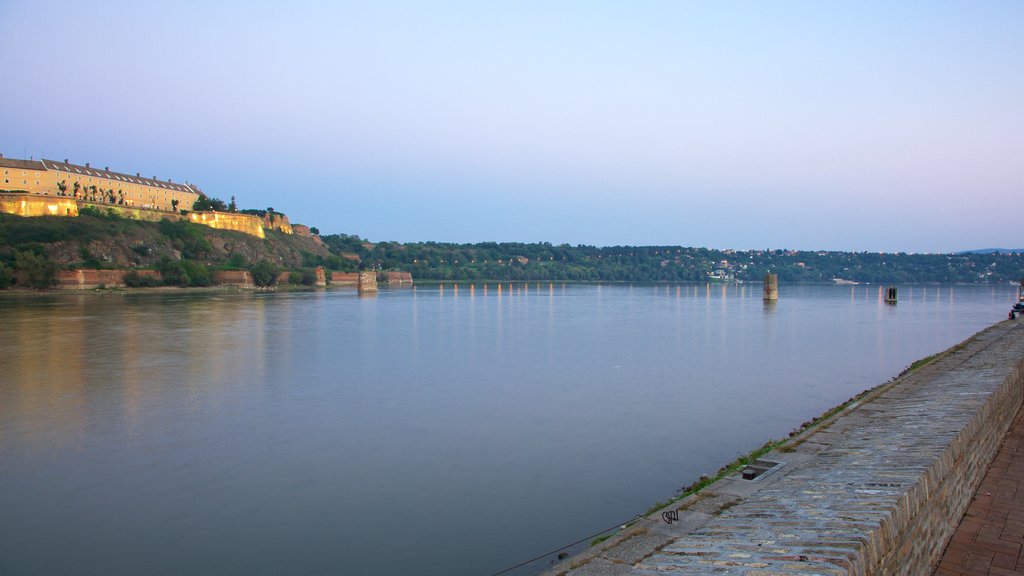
pixel 437 430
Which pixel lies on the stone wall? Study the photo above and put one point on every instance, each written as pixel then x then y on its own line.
pixel 277 221
pixel 878 490
pixel 245 223
pixel 240 278
pixel 398 277
pixel 144 214
pixel 345 278
pixel 89 279
pixel 31 205
pixel 367 282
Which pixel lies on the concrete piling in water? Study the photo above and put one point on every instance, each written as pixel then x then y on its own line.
pixel 771 287
pixel 890 295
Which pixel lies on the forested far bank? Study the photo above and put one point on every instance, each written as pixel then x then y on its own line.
pixel 544 261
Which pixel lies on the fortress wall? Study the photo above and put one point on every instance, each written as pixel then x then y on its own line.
pixel 398 277
pixel 245 223
pixel 241 278
pixel 32 205
pixel 277 221
pixel 89 279
pixel 144 214
pixel 345 278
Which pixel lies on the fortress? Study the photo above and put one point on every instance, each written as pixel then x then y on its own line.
pixel 63 179
pixel 51 188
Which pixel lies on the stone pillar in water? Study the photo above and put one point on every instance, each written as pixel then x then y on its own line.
pixel 367 281
pixel 890 295
pixel 771 287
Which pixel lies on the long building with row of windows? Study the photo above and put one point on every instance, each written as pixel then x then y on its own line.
pixel 63 179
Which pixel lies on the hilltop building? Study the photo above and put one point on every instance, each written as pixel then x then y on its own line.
pixel 63 179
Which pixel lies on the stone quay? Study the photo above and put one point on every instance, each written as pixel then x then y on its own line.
pixel 877 489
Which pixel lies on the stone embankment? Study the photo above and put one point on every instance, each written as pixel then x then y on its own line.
pixel 878 489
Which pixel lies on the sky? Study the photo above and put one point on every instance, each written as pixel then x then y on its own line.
pixel 816 125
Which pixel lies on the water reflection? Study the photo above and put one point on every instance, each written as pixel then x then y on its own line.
pixel 166 434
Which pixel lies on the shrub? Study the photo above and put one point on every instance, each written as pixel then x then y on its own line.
pixel 187 237
pixel 236 261
pixel 39 270
pixel 197 272
pixel 309 277
pixel 295 277
pixel 172 272
pixel 6 276
pixel 135 280
pixel 264 273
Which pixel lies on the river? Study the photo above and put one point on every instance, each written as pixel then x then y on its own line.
pixel 437 430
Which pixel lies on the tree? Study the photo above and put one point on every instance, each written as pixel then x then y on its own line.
pixel 172 272
pixel 264 273
pixel 206 203
pixel 232 206
pixel 314 230
pixel 39 270
pixel 174 205
pixel 6 276
pixel 63 187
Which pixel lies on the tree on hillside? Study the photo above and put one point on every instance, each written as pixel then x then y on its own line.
pixel 207 203
pixel 6 276
pixel 39 271
pixel 264 273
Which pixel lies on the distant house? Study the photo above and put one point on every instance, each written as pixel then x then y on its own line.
pixel 53 178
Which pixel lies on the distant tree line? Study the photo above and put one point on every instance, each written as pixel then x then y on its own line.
pixel 544 261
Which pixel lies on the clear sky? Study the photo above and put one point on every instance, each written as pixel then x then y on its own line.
pixel 880 126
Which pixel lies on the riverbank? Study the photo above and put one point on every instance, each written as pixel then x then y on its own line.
pixel 877 488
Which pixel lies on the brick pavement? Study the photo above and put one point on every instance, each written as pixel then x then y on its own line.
pixel 989 539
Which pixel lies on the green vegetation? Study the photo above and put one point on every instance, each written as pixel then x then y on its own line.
pixel 6 276
pixel 207 203
pixel 187 237
pixel 184 273
pixel 264 273
pixel 40 272
pixel 511 261
pixel 133 279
